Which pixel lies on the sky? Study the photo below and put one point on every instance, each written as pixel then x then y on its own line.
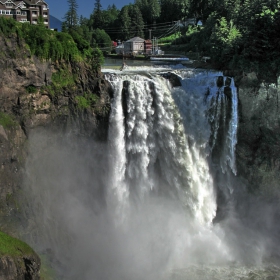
pixel 58 8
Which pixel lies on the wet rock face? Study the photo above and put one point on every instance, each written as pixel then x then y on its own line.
pixel 20 268
pixel 173 78
pixel 258 147
pixel 26 103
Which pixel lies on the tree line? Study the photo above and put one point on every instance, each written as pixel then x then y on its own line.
pixel 50 45
pixel 242 34
pixel 130 21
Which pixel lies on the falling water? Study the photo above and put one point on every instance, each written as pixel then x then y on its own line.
pixel 166 132
pixel 142 205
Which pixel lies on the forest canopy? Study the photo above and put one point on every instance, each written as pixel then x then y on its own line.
pixel 51 45
pixel 239 34
pixel 236 34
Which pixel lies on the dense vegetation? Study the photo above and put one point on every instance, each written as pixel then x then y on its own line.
pixel 50 45
pixel 238 34
pixel 241 34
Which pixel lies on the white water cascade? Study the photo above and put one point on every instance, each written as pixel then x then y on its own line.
pixel 159 137
pixel 146 205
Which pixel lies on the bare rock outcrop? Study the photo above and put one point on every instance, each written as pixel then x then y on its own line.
pixel 258 147
pixel 29 98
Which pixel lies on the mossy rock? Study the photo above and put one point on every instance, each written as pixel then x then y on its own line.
pixel 17 259
pixel 13 247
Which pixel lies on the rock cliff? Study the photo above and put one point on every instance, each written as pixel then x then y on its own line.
pixel 258 147
pixel 17 260
pixel 32 94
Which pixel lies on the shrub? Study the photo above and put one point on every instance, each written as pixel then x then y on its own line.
pixel 87 100
pixel 6 120
pixel 31 89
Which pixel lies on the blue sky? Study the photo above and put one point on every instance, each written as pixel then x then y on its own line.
pixel 58 8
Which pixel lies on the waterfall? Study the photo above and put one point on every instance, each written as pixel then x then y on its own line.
pixel 145 203
pixel 160 137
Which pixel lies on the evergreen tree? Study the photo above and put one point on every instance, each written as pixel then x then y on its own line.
pixel 124 23
pixel 150 10
pixel 110 17
pixel 71 17
pixel 97 19
pixel 171 10
pixel 137 23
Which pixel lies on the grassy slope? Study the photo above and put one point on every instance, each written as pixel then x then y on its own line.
pixel 13 247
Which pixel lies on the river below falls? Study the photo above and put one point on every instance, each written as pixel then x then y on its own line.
pixel 269 271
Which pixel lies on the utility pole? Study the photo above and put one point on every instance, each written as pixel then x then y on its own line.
pixel 150 34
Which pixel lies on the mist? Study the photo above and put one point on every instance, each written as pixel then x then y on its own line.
pixel 70 221
pixel 160 199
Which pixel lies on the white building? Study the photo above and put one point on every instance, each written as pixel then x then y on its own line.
pixel 135 45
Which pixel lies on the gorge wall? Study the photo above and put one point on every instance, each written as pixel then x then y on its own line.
pixel 30 97
pixel 258 147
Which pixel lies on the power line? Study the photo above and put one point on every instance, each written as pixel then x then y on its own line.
pixel 153 27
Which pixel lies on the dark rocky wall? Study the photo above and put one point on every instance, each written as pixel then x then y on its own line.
pixel 20 268
pixel 258 147
pixel 22 110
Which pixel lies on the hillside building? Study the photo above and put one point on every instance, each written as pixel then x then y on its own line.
pixel 25 11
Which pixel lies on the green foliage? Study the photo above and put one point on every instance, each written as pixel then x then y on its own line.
pixel 62 78
pixel 71 17
pixel 242 35
pixel 47 44
pixel 170 10
pixel 97 17
pixel 224 41
pixel 81 43
pixel 149 9
pixel 137 23
pixel 169 39
pixel 87 100
pixel 31 89
pixel 13 247
pixel 96 58
pixel 57 46
pixel 101 40
pixel 6 120
pixel 124 23
pixel 9 26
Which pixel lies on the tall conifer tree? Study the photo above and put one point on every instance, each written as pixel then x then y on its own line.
pixel 71 18
pixel 97 16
